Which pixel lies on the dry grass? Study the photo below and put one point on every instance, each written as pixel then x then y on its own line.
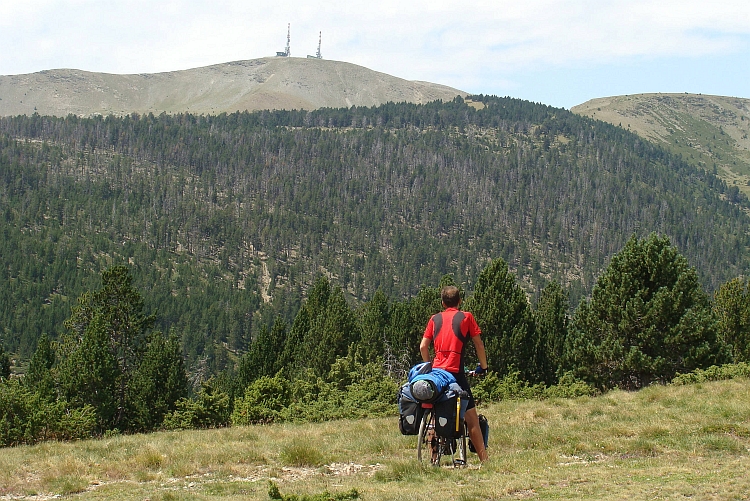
pixel 660 443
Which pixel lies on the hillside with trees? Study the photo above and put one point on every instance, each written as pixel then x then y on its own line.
pixel 708 131
pixel 648 321
pixel 228 222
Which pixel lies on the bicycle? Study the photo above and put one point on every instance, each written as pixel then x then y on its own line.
pixel 440 446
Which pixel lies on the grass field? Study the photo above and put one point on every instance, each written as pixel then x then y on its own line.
pixel 673 442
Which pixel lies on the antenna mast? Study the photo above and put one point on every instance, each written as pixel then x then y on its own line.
pixel 288 38
pixel 317 55
pixel 286 52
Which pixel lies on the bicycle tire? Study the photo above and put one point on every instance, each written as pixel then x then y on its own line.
pixel 423 447
pixel 421 437
pixel 463 446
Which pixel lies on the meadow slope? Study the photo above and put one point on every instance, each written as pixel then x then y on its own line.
pixel 664 442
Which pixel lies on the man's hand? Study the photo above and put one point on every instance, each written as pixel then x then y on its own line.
pixel 478 371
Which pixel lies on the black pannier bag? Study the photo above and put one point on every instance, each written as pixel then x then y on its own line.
pixel 410 412
pixel 449 414
pixel 485 427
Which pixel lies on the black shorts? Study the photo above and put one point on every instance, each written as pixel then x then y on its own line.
pixel 463 382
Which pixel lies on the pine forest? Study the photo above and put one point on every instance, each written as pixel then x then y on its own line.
pixel 246 228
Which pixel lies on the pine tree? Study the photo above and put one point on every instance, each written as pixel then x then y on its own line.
pixel 158 383
pixel 117 310
pixel 732 307
pixel 551 321
pixel 291 356
pixel 373 319
pixel 301 342
pixel 90 374
pixel 4 364
pixel 336 330
pixel 505 318
pixel 263 357
pixel 647 319
pixel 39 376
pixel 408 321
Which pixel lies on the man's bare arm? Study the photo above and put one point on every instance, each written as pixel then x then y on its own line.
pixel 424 349
pixel 481 353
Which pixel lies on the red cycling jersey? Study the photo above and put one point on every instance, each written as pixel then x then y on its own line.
pixel 449 331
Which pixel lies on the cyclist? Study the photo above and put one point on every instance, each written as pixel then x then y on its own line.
pixel 448 331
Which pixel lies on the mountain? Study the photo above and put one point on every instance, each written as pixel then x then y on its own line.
pixel 709 131
pixel 226 220
pixel 267 83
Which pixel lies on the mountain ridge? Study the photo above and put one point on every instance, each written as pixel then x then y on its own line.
pixel 248 85
pixel 712 132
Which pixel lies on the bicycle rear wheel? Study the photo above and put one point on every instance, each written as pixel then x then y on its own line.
pixel 424 443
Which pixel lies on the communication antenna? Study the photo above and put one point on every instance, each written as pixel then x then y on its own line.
pixel 317 54
pixel 288 38
pixel 286 52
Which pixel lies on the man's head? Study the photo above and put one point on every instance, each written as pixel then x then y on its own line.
pixel 450 296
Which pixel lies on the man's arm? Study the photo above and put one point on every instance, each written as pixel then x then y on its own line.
pixel 424 349
pixel 481 353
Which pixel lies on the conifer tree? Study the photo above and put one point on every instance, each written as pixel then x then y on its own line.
pixel 158 383
pixel 4 363
pixel 551 322
pixel 39 376
pixel 292 352
pixel 408 321
pixel 732 307
pixel 336 329
pixel 505 317
pixel 373 320
pixel 647 319
pixel 89 375
pixel 119 327
pixel 301 343
pixel 264 356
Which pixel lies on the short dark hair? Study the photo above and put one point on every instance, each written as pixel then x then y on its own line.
pixel 451 296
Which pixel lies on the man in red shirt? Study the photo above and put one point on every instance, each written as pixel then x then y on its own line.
pixel 449 331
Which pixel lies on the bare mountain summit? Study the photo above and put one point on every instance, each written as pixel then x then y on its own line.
pixel 710 131
pixel 267 83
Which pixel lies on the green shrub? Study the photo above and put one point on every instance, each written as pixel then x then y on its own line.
pixel 22 414
pixel 350 390
pixel 713 373
pixel 264 400
pixel 491 388
pixel 570 387
pixel 74 424
pixel 28 418
pixel 366 390
pixel 210 409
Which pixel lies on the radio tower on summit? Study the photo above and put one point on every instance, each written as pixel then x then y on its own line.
pixel 286 52
pixel 317 54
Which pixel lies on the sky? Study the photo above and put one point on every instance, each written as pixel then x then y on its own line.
pixel 556 52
